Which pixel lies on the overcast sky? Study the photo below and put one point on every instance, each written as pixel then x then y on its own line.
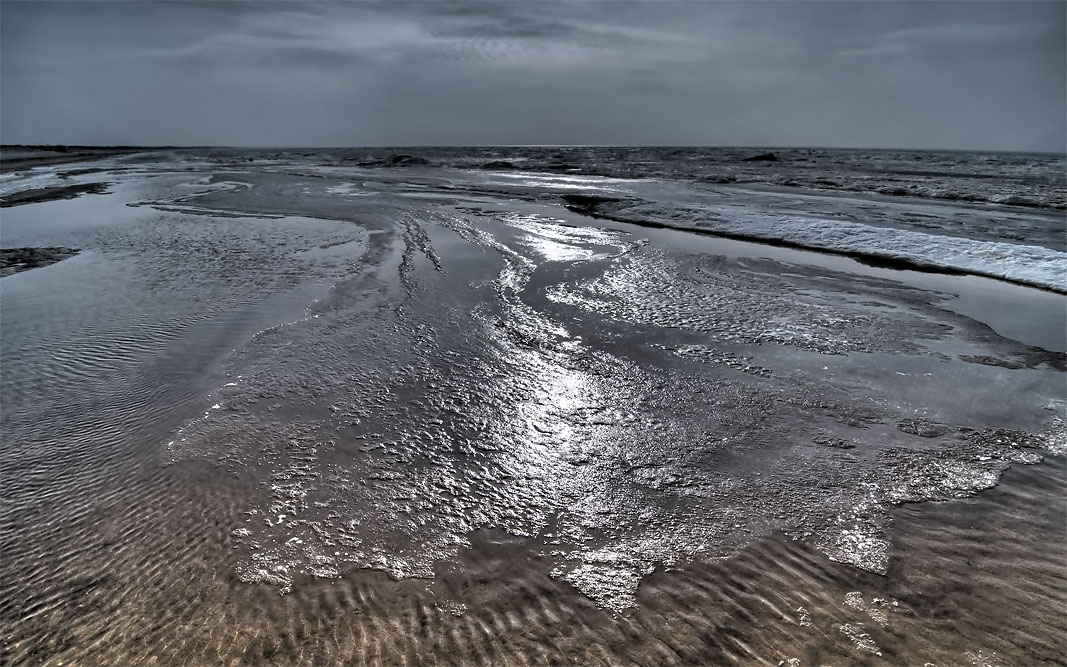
pixel 976 75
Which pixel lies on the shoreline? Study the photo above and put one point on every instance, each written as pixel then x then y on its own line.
pixel 12 163
pixel 588 205
pixel 495 429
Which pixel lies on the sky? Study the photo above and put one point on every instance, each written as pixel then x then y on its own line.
pixel 960 75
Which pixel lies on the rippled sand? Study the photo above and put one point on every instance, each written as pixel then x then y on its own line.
pixel 297 414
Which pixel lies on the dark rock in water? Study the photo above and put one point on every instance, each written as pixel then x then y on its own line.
pixel 408 161
pixel 499 164
pixel 924 428
pixel 13 260
pixel 763 157
pixel 719 178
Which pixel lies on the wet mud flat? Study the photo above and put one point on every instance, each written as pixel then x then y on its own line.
pixel 50 194
pixel 13 260
pixel 342 415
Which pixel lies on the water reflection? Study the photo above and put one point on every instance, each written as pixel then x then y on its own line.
pixel 541 422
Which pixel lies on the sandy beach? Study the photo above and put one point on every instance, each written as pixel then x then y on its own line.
pixel 311 407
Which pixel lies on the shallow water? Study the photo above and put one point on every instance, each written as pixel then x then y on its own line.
pixel 295 414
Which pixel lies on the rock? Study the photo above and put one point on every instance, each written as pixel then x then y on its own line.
pixel 762 157
pixel 499 164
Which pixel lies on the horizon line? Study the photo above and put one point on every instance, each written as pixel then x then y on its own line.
pixel 453 146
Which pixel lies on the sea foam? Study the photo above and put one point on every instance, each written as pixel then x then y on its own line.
pixel 1028 264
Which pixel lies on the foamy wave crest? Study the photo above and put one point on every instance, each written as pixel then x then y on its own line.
pixel 1027 264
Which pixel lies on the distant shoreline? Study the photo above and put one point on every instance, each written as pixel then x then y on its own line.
pixel 15 158
pixel 62 148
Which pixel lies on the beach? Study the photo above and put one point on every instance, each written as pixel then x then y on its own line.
pixel 535 405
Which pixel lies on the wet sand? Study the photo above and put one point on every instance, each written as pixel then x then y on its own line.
pixel 13 260
pixel 302 415
pixel 977 581
pixel 51 194
pixel 19 158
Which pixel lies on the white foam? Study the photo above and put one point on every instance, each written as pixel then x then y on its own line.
pixel 24 181
pixel 1034 265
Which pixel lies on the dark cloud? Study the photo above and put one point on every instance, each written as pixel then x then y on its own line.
pixel 963 75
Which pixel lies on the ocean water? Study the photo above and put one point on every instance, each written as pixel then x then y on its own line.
pixel 536 405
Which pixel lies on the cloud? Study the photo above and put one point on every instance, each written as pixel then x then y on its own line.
pixel 538 72
pixel 948 36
